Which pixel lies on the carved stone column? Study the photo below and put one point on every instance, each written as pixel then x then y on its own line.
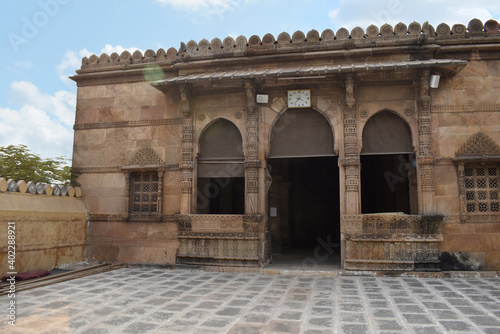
pixel 187 163
pixel 425 153
pixel 350 161
pixel 252 162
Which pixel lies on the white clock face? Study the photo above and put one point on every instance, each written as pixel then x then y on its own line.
pixel 299 98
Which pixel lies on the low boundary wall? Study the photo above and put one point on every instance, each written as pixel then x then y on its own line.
pixel 41 226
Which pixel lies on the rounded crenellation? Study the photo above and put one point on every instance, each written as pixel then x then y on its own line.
pixel 297 42
pixel 23 187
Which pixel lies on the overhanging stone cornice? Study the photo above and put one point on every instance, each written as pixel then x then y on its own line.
pixel 449 66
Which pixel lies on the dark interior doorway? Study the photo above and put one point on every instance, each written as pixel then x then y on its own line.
pixel 304 207
pixel 387 183
pixel 222 195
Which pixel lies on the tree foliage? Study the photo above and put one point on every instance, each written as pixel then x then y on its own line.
pixel 17 162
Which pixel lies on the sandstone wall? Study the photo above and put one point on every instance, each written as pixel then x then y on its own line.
pixel 50 230
pixel 463 105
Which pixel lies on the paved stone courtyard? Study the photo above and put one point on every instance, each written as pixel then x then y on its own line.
pixel 153 300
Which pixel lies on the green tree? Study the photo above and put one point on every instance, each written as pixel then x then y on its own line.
pixel 17 162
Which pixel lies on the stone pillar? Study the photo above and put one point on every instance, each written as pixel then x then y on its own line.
pixel 252 162
pixel 350 160
pixel 187 163
pixel 425 152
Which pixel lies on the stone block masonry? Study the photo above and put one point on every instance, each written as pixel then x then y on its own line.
pixel 50 226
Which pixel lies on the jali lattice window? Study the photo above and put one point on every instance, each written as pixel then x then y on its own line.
pixel 144 187
pixel 481 189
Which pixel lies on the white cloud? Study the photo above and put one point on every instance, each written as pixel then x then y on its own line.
pixel 109 49
pixel 209 6
pixel 43 123
pixel 333 14
pixel 69 64
pixel 348 15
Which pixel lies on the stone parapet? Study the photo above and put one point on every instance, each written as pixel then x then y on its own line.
pixel 38 188
pixel 394 242
pixel 372 37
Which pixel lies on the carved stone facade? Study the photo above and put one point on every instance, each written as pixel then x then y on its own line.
pixel 402 174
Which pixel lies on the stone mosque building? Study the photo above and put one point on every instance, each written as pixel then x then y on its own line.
pixel 379 147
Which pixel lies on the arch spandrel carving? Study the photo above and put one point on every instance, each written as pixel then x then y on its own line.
pixel 146 156
pixel 479 144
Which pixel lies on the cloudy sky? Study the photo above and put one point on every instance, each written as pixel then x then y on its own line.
pixel 43 42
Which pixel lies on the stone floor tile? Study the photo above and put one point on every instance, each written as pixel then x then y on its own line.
pixel 383 313
pixel 485 321
pixel 97 330
pixel 256 318
pixel 491 330
pixel 427 330
pixel 388 325
pixel 117 321
pixel 446 314
pixel 379 304
pixel 456 326
pixel 354 329
pixel 290 315
pixel 288 327
pixel 217 322
pixel 241 329
pixel 354 317
pixel 321 322
pixel 471 310
pixel 322 311
pixel 262 308
pixel 459 302
pixel 230 311
pixel 158 317
pixel 316 331
pixel 418 319
pixel 139 327
pixel 411 308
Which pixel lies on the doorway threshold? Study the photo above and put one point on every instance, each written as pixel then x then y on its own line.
pixel 304 261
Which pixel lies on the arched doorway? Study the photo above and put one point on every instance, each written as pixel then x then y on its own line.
pixel 221 172
pixel 303 200
pixel 388 179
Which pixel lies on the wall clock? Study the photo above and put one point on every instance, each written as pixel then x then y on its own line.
pixel 299 98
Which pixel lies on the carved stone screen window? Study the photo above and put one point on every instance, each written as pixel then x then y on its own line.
pixel 144 192
pixel 481 189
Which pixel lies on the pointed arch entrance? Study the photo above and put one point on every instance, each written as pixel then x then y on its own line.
pixel 388 177
pixel 221 173
pixel 303 200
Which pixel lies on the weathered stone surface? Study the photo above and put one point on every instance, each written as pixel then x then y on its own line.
pixel 351 76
